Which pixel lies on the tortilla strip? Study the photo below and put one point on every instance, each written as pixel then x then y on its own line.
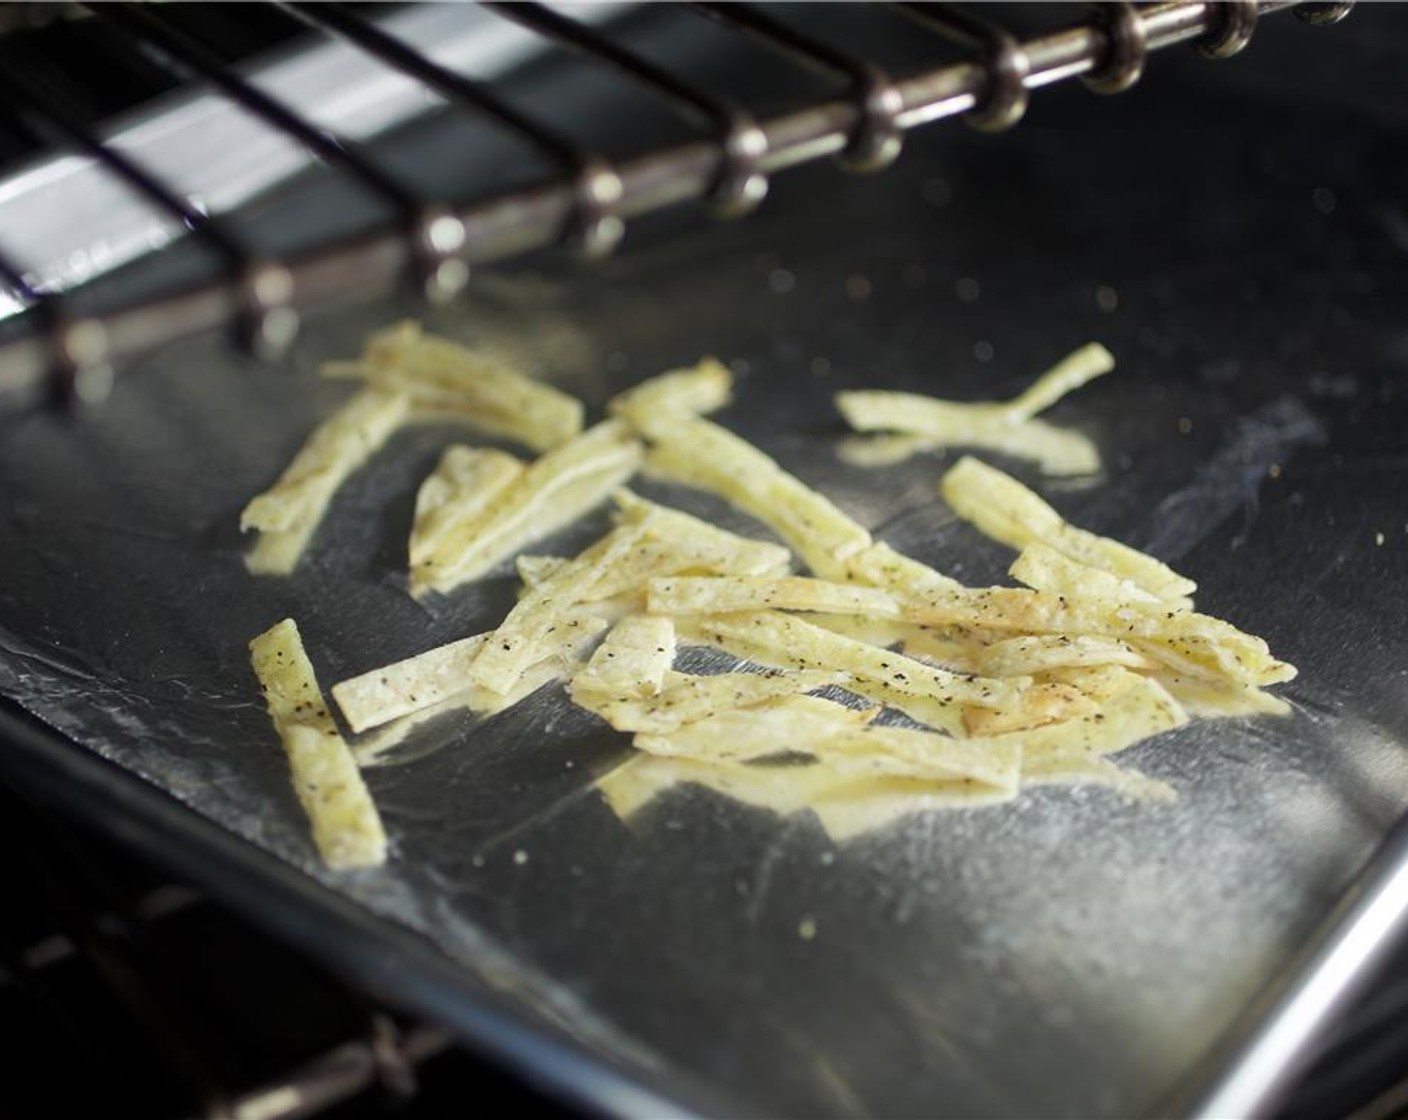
pixel 372 749
pixel 1036 653
pixel 729 594
pixel 688 698
pixel 1142 709
pixel 520 638
pixel 881 566
pixel 655 406
pixel 1042 568
pixel 701 454
pixel 346 826
pixel 633 660
pixel 439 675
pixel 840 737
pixel 1214 646
pixel 289 512
pixel 446 380
pixel 464 484
pixel 553 491
pixel 745 555
pixel 780 789
pixel 1007 511
pixel 1007 427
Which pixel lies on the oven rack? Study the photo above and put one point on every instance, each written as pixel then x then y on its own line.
pixel 65 356
pixel 104 955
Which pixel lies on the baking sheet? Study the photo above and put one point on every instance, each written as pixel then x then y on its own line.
pixel 1072 954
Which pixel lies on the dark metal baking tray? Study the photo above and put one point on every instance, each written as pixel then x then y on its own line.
pixel 1234 234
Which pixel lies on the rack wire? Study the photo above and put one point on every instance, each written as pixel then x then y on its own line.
pixel 433 243
pixel 110 922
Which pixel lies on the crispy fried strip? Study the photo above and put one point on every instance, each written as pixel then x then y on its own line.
pixel 1007 511
pixel 811 647
pixel 846 806
pixel 346 826
pixel 885 632
pixel 933 711
pixel 880 410
pixel 687 698
pixel 448 381
pixel 520 638
pixel 463 486
pixel 1141 709
pixel 1057 451
pixel 441 675
pixel 850 807
pixel 1100 682
pixel 278 554
pixel 1061 753
pixel 288 513
pixel 633 660
pixel 396 690
pixel 729 594
pixel 842 738
pixel 372 749
pixel 1082 365
pixel 932 696
pixel 533 570
pixel 881 566
pixel 1043 702
pixel 953 647
pixel 1036 653
pixel 781 789
pixel 701 454
pixel 671 542
pixel 745 556
pixel 1042 568
pixel 1008 427
pixel 655 406
pixel 1214 646
pixel 1220 700
pixel 553 491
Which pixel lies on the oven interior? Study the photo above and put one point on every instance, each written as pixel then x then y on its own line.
pixel 1229 223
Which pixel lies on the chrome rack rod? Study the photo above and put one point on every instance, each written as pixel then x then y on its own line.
pixel 877 137
pixel 254 282
pixel 343 1072
pixel 594 229
pixel 739 184
pixel 517 222
pixel 434 235
pixel 1004 98
pixel 77 373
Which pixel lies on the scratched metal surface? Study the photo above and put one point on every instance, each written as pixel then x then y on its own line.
pixel 1072 954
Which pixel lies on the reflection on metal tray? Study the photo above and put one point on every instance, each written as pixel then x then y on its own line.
pixel 1072 954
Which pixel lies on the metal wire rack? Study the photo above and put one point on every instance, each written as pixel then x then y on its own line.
pixel 108 954
pixel 68 356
